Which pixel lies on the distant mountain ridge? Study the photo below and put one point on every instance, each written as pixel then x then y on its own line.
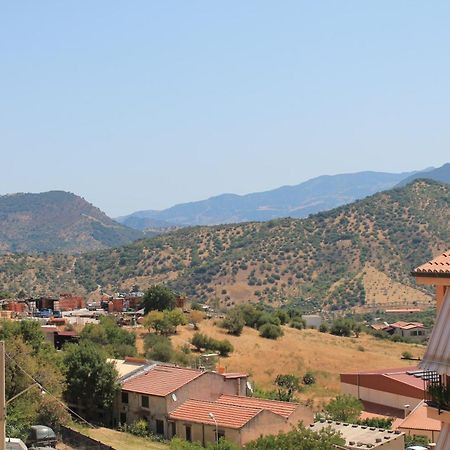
pixel 57 221
pixel 299 201
pixel 441 174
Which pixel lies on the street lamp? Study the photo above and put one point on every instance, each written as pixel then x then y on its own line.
pixel 215 421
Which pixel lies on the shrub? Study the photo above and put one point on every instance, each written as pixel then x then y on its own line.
pixel 234 322
pixel 407 355
pixel 270 331
pixel 309 378
pixel 298 323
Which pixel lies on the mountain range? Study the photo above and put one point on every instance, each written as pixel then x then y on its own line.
pixel 312 196
pixel 57 221
pixel 358 253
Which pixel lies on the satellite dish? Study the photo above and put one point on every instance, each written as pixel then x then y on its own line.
pixel 174 397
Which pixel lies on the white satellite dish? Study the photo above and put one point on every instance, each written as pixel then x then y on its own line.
pixel 174 397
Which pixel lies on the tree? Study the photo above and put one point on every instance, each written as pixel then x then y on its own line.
pixel 300 438
pixel 164 322
pixel 159 298
pixel 92 382
pixel 344 408
pixel 270 331
pixel 234 322
pixel 288 385
pixel 31 406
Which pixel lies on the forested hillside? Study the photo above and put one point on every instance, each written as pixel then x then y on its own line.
pixel 321 260
pixel 57 221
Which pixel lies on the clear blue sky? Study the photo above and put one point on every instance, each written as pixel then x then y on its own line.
pixel 143 104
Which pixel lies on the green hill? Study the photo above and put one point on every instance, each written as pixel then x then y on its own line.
pixel 316 261
pixel 57 221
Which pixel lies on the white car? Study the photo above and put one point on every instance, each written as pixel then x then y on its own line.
pixel 416 447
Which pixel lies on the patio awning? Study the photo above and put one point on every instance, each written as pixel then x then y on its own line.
pixel 437 355
pixel 443 442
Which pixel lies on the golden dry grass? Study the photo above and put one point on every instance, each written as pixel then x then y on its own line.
pixel 299 351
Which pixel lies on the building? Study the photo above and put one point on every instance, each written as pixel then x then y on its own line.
pixel 237 419
pixel 412 330
pixel 363 437
pixel 417 423
pixel 436 362
pixel 154 390
pixel 390 392
pixel 312 320
pixel 196 404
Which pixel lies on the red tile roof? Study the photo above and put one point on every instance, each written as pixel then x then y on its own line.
pixel 284 409
pixel 439 266
pixel 228 416
pixel 407 325
pixel 161 380
pixel 418 420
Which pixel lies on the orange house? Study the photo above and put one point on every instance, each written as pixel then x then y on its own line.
pixel 436 362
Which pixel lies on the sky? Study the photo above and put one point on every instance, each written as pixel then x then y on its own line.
pixel 144 104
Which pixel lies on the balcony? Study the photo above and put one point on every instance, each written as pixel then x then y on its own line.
pixel 438 399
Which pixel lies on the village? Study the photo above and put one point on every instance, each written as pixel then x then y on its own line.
pixel 204 403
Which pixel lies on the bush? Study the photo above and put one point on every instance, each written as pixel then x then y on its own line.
pixel 309 378
pixel 344 408
pixel 234 322
pixel 270 331
pixel 407 355
pixel 298 324
pixel 201 341
pixel 323 328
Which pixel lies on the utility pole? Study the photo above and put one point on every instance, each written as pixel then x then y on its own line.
pixel 2 397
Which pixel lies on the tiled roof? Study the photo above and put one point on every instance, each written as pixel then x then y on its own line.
pixel 439 266
pixel 284 409
pixel 161 380
pixel 228 416
pixel 407 325
pixel 418 420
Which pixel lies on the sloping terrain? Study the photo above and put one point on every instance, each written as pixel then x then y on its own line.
pixel 57 221
pixel 316 262
pixel 315 195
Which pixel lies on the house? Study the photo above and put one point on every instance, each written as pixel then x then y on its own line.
pixel 363 437
pixel 156 389
pixel 196 404
pixel 417 423
pixel 437 356
pixel 386 391
pixel 58 337
pixel 238 419
pixel 408 329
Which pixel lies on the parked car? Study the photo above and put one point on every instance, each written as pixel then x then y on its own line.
pixel 41 436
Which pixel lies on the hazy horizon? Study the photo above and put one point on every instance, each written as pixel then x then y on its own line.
pixel 147 105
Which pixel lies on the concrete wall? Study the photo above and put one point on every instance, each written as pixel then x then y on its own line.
pixel 380 397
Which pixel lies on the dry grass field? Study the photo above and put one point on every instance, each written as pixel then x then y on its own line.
pixel 299 351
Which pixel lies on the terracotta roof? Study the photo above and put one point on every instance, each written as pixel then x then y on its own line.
pixel 418 420
pixel 228 416
pixel 161 380
pixel 439 266
pixel 407 325
pixel 284 409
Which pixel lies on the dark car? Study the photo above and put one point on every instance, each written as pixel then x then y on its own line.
pixel 41 436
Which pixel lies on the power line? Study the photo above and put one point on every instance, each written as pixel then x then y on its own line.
pixel 46 391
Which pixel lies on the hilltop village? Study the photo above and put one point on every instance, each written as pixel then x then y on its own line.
pixel 163 367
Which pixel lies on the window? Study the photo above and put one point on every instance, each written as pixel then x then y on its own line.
pixel 123 418
pixel 124 397
pixel 188 433
pixel 159 426
pixel 144 401
pixel 220 434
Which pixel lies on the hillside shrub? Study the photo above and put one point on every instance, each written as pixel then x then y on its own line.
pixel 270 331
pixel 309 378
pixel 234 322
